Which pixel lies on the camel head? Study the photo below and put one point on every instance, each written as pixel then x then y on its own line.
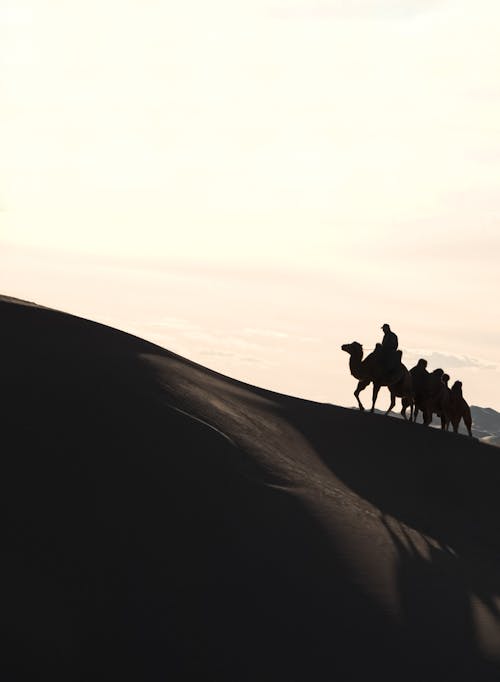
pixel 457 387
pixel 445 378
pixel 353 348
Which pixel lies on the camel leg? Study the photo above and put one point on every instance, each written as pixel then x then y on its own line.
pixel 407 402
pixel 468 423
pixel 404 404
pixel 455 424
pixel 415 414
pixel 393 402
pixel 376 389
pixel 361 386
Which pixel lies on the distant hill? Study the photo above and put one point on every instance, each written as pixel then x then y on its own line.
pixel 485 424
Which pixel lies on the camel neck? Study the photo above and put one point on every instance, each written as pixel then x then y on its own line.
pixel 355 364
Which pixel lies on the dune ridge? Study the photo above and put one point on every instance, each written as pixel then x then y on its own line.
pixel 168 522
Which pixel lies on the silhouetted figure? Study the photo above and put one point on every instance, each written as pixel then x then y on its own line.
pixel 420 378
pixel 390 340
pixel 373 370
pixel 388 349
pixel 419 374
pixel 432 394
pixel 441 403
pixel 459 408
pixel 427 388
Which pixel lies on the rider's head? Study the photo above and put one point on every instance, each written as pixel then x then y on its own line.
pixel 386 328
pixel 422 363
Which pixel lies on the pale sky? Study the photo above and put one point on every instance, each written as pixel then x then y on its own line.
pixel 336 162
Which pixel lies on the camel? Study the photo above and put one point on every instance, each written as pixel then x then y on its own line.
pixel 430 393
pixel 459 408
pixel 440 404
pixel 419 379
pixel 370 370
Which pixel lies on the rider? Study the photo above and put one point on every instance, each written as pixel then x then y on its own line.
pixel 390 340
pixel 389 346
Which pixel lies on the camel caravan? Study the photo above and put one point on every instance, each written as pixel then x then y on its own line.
pixel 420 390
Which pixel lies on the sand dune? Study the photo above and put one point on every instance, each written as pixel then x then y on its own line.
pixel 168 523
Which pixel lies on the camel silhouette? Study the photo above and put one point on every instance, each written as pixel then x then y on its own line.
pixel 440 404
pixel 372 370
pixel 432 395
pixel 459 408
pixel 429 392
pixel 419 379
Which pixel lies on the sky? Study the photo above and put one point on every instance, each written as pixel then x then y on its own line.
pixel 253 184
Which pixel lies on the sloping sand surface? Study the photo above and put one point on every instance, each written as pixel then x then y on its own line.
pixel 165 522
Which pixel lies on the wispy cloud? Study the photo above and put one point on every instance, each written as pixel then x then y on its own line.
pixel 449 360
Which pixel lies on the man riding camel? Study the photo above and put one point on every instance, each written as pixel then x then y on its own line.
pixel 389 348
pixel 390 340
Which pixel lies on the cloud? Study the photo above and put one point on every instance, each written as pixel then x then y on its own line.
pixel 451 361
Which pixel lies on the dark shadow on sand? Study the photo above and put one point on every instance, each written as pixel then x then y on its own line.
pixel 444 486
pixel 138 548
